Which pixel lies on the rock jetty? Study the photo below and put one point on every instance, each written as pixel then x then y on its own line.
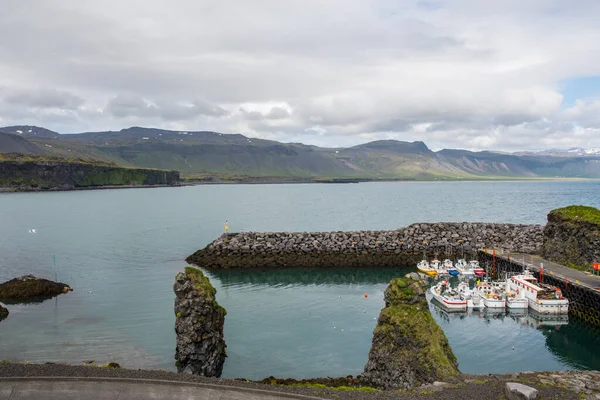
pixel 409 349
pixel 3 313
pixel 572 236
pixel 199 323
pixel 363 248
pixel 28 288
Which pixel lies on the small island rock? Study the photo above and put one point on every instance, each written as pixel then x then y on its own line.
pixel 28 287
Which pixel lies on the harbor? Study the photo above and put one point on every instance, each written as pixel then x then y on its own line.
pixel 580 288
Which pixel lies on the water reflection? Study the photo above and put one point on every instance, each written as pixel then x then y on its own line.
pixel 307 276
pixel 568 341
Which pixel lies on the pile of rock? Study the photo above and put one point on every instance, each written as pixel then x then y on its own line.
pixel 199 321
pixel 363 248
pixel 409 349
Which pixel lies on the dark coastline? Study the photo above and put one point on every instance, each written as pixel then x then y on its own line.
pixel 70 189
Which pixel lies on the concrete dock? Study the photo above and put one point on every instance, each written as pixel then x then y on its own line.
pixel 535 262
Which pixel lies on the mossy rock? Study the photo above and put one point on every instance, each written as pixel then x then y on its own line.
pixel 587 214
pixel 409 348
pixel 28 288
pixel 201 283
pixel 572 237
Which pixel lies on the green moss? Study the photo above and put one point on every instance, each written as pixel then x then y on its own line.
pixel 402 290
pixel 579 213
pixel 201 282
pixel 345 388
pixel 203 286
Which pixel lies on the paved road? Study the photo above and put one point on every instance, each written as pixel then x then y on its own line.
pixel 127 389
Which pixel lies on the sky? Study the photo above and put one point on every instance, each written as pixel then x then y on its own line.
pixel 482 75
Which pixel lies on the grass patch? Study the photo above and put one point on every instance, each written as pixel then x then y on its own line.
pixel 579 213
pixel 22 157
pixel 344 388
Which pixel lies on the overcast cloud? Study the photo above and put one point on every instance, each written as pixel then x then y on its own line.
pixel 460 73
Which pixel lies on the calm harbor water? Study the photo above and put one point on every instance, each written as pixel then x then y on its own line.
pixel 120 250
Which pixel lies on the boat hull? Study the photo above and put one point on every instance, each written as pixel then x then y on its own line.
pixel 449 303
pixel 549 306
pixel 517 304
pixel 493 303
pixel 427 271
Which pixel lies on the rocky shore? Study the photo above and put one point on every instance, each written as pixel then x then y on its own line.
pixel 569 385
pixel 363 248
pixel 3 313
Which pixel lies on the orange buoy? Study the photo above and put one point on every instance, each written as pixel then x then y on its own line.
pixel 366 295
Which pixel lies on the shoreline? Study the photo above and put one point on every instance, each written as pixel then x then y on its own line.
pixel 564 384
pixel 71 189
pixel 307 181
pixel 285 182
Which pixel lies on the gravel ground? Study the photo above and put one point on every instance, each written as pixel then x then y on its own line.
pixel 467 387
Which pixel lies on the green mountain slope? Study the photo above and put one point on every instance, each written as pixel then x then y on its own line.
pixel 10 143
pixel 205 153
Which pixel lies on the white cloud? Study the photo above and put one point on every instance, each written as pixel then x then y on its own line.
pixel 338 72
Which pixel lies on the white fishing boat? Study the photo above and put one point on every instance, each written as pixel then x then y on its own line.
pixel 514 300
pixel 543 298
pixel 473 302
pixel 448 297
pixel 463 268
pixel 436 265
pixel 424 267
pixel 491 296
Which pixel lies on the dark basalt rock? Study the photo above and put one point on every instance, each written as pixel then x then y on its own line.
pixel 572 236
pixel 3 313
pixel 28 288
pixel 409 349
pixel 199 325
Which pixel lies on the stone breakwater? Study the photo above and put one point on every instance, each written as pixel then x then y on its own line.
pixel 364 248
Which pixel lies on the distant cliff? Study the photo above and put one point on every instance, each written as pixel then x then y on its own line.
pixel 29 173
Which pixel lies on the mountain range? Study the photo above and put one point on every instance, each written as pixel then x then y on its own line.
pixel 202 154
